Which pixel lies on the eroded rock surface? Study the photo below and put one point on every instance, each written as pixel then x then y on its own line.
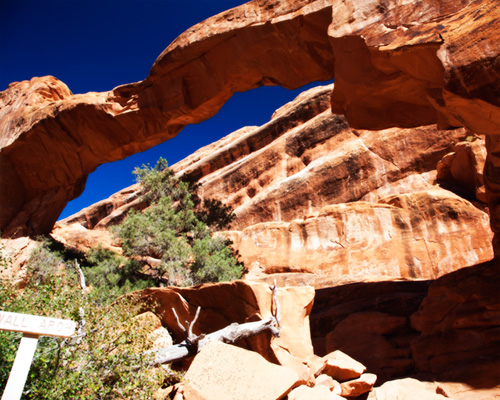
pixel 224 303
pixel 443 330
pixel 395 63
pixel 419 235
pixel 318 202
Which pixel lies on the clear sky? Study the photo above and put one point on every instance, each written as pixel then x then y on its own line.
pixel 96 45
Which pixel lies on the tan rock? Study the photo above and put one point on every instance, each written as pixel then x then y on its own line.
pixel 319 392
pixel 329 382
pixel 224 303
pixel 222 371
pixel 407 389
pixel 341 367
pixel 359 386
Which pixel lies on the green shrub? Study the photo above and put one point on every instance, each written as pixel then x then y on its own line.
pixel 105 363
pixel 172 231
pixel 111 275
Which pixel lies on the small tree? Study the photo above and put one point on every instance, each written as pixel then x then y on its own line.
pixel 176 229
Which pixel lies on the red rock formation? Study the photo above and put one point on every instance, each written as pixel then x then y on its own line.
pixel 224 303
pixel 463 169
pixel 458 325
pixel 317 163
pixel 444 331
pixel 228 372
pixel 395 63
pixel 295 183
pixel 419 235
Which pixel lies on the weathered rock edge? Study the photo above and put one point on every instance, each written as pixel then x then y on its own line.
pixel 394 63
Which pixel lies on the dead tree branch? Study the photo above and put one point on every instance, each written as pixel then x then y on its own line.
pixel 230 334
pixel 81 311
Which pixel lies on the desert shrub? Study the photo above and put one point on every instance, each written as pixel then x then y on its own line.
pixel 106 362
pixel 172 231
pixel 111 275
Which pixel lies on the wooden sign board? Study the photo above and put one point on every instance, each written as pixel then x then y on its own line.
pixel 36 325
pixel 32 327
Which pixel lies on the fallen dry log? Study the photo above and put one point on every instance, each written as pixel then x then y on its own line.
pixel 230 334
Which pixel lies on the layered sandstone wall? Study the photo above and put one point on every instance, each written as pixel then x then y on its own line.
pixel 318 202
pixel 395 64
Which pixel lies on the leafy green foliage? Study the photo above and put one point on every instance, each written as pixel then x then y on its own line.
pixel 107 360
pixel 103 363
pixel 176 229
pixel 110 275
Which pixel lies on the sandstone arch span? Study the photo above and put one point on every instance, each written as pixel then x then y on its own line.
pixel 395 63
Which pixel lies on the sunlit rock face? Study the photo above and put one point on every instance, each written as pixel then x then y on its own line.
pixel 395 64
pixel 239 302
pixel 318 202
pixel 420 235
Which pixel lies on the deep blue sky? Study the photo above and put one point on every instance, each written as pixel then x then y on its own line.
pixel 96 45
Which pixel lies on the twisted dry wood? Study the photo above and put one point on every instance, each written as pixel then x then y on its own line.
pixel 230 334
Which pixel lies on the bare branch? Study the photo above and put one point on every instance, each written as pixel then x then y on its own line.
pixel 230 334
pixel 190 335
pixel 81 278
pixel 276 313
pixel 183 329
pixel 81 311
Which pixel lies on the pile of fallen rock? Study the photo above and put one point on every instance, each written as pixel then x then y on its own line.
pixel 224 371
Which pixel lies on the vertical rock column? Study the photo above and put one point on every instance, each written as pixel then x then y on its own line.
pixel 492 183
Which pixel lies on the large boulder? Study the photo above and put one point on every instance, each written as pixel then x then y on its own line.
pixel 238 302
pixel 223 371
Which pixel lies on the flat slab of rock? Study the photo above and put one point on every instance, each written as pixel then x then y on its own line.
pixel 407 389
pixel 223 371
pixel 339 366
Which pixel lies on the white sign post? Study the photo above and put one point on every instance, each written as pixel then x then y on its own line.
pixel 32 326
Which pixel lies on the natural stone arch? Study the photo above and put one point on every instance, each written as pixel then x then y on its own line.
pixel 395 64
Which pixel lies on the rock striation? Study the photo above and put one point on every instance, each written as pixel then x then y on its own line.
pixel 394 63
pixel 318 202
pixel 335 164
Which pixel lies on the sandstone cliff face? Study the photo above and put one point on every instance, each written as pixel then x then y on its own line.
pixel 395 63
pixel 443 330
pixel 318 202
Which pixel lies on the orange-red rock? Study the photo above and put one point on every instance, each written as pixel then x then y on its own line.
pixel 223 371
pixel 445 330
pixel 462 169
pixel 224 303
pixel 458 325
pixel 294 171
pixel 394 63
pixel 359 386
pixel 418 235
pixel 341 367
